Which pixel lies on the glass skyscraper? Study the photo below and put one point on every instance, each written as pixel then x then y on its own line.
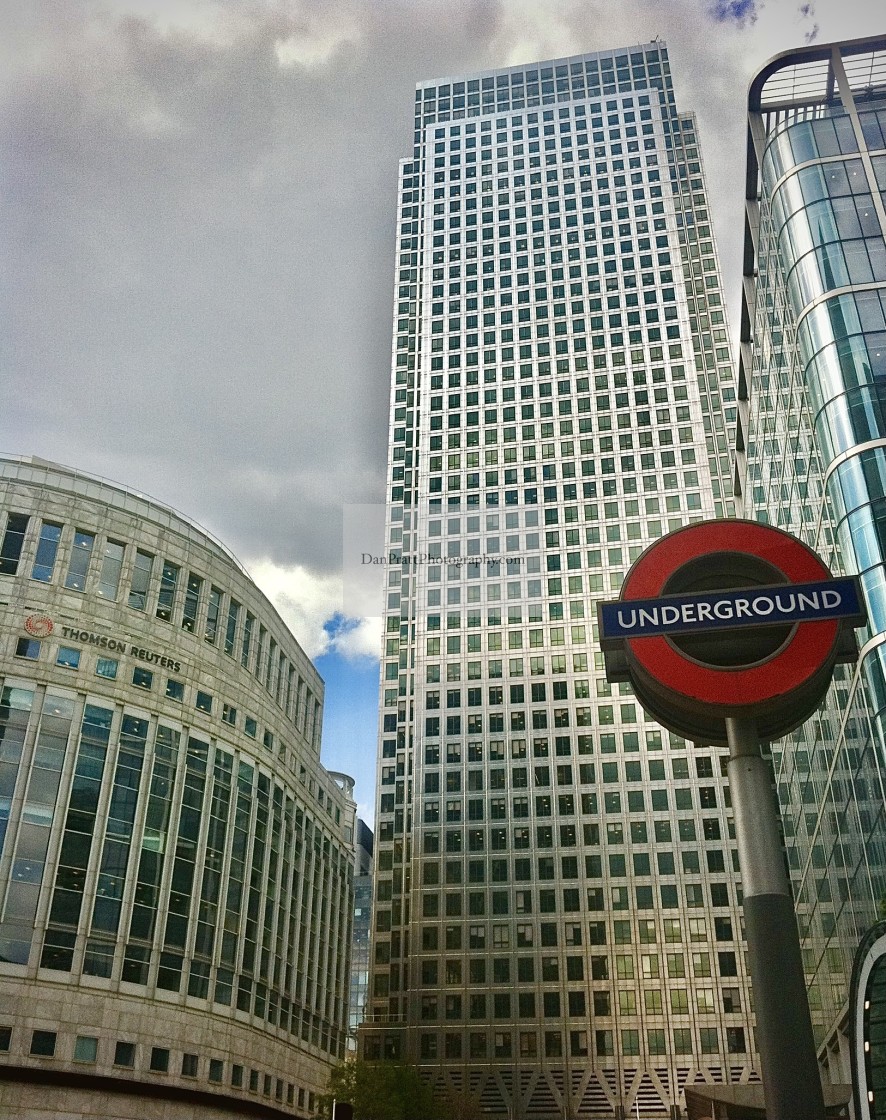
pixel 362 930
pixel 557 926
pixel 811 442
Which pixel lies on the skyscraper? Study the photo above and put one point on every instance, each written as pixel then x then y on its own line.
pixel 811 442
pixel 361 934
pixel 557 914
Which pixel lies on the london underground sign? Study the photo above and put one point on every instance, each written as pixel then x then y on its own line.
pixel 723 618
pixel 729 632
pixel 726 610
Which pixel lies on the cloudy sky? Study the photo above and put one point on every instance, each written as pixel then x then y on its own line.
pixel 197 245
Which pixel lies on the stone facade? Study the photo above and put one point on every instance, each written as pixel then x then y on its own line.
pixel 176 867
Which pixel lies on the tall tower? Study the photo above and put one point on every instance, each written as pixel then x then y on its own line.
pixel 811 442
pixel 557 923
pixel 362 930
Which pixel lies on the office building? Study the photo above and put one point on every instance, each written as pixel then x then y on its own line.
pixel 811 442
pixel 176 866
pixel 362 932
pixel 557 926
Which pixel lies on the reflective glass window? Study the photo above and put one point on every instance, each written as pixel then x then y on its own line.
pixel 112 564
pixel 124 1054
pixel 27 647
pixel 85 1048
pixel 159 1059
pixel 142 678
pixel 68 657
pixel 175 690
pixel 43 1044
pixel 47 551
pixel 213 611
pixel 141 579
pixel 13 540
pixel 192 602
pixel 78 566
pixel 231 627
pixel 168 585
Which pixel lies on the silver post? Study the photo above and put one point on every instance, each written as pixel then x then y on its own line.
pixel 791 1078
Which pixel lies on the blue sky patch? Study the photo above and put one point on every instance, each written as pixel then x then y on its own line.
pixel 740 12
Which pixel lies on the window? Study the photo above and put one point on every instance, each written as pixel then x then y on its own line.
pixel 192 602
pixel 107 667
pixel 216 1070
pixel 78 566
pixel 47 550
pixel 250 726
pixel 124 1054
pixel 189 1065
pixel 213 611
pixel 5 1039
pixel 203 703
pixel 231 628
pixel 27 647
pixel 68 657
pixel 166 596
pixel 142 678
pixel 112 564
pixel 175 690
pixel 735 1042
pixel 43 1044
pixel 229 714
pixel 731 1000
pixel 159 1059
pixel 85 1048
pixel 727 965
pixel 141 578
pixel 13 539
pixel 248 627
pixel 708 1038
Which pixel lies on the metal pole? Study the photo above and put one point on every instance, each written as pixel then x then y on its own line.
pixel 791 1078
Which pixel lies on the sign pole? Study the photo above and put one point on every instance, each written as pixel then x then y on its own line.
pixel 785 623
pixel 791 1078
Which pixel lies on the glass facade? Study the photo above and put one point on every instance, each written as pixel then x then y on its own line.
pixel 361 948
pixel 161 862
pixel 810 458
pixel 556 899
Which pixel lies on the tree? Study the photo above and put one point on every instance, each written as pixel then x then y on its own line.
pixel 463 1105
pixel 382 1091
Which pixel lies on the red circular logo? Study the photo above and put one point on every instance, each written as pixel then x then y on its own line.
pixel 809 648
pixel 38 625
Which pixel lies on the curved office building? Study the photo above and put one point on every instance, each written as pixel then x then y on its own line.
pixel 812 459
pixel 175 864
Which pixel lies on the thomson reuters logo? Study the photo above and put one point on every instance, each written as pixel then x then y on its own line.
pixel 38 625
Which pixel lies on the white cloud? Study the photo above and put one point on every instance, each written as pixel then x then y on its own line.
pixel 313 48
pixel 311 606
pixel 359 637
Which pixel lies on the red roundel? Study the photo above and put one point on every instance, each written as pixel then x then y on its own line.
pixel 39 625
pixel 809 648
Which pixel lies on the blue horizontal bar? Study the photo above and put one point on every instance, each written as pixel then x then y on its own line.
pixel 726 610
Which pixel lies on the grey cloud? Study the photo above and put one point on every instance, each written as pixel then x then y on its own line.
pixel 198 254
pixel 200 263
